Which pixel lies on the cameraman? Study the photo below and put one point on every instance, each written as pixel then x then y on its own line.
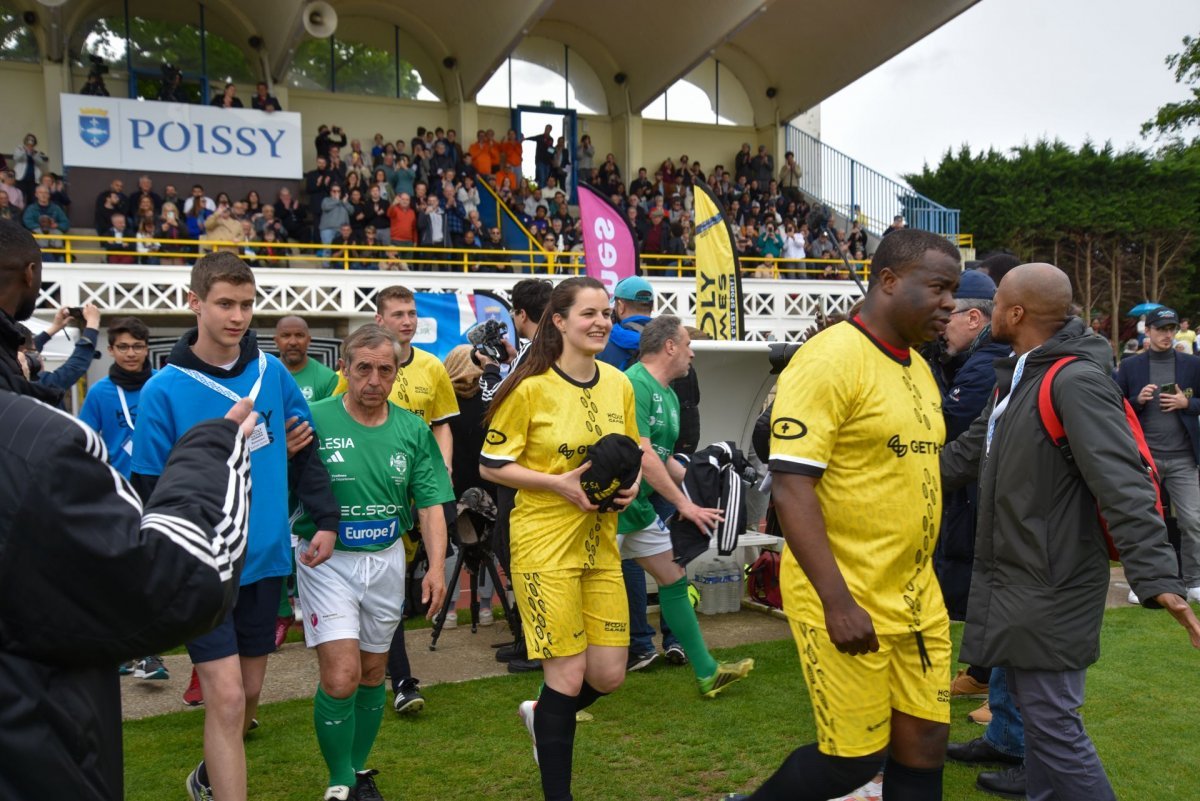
pixel 327 138
pixel 95 78
pixel 81 357
pixel 171 89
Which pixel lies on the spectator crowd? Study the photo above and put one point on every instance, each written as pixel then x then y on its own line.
pixel 416 204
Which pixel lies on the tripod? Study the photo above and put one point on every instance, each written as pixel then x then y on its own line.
pixel 476 515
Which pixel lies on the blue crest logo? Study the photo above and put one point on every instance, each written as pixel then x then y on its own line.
pixel 93 126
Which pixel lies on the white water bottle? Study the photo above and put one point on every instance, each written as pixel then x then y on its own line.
pixel 707 578
pixel 728 588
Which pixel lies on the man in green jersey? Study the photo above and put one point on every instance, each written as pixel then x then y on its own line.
pixel 316 381
pixel 382 461
pixel 666 354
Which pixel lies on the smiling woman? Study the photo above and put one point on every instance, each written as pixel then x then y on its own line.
pixel 566 567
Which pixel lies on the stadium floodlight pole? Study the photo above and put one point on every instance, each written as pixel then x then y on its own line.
pixel 818 220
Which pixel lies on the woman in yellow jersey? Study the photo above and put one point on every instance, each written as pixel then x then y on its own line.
pixel 566 569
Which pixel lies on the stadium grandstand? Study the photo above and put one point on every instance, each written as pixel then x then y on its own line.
pixel 330 142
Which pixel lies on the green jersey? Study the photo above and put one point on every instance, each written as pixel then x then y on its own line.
pixel 658 421
pixel 378 474
pixel 316 381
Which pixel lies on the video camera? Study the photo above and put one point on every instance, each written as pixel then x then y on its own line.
pixel 488 338
pixel 95 78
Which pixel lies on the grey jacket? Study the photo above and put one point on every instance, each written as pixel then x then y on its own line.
pixel 1041 568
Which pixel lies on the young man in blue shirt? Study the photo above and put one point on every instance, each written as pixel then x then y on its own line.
pixel 110 409
pixel 209 370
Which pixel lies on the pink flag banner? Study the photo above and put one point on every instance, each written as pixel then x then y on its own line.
pixel 609 247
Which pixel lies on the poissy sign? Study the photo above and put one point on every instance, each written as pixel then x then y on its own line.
pixel 177 137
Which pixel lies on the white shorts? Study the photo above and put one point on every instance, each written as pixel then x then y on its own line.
pixel 354 595
pixel 650 541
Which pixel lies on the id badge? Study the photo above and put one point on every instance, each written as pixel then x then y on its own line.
pixel 259 438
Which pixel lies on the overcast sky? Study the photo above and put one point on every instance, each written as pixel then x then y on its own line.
pixel 1009 71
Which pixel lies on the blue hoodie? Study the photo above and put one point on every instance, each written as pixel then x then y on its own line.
pixel 624 342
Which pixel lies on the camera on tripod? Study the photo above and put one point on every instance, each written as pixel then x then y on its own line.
pixel 488 338
pixel 95 78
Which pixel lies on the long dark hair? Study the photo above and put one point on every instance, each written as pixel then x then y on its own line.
pixel 547 344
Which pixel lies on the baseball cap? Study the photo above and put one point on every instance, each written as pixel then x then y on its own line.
pixel 1162 317
pixel 634 288
pixel 616 461
pixel 975 285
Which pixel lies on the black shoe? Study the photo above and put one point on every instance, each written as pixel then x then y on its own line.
pixel 675 654
pixel 979 751
pixel 639 661
pixel 514 650
pixel 364 786
pixel 524 665
pixel 1008 783
pixel 408 700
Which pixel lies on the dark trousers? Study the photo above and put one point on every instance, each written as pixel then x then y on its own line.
pixel 1061 762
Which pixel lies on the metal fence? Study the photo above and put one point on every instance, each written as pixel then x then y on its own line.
pixel 858 192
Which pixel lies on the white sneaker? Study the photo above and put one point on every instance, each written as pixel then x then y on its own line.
pixel 871 791
pixel 486 619
pixel 1133 599
pixel 339 792
pixel 525 710
pixel 451 619
pixel 1193 595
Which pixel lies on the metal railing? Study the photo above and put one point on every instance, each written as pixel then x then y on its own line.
pixel 70 249
pixel 858 192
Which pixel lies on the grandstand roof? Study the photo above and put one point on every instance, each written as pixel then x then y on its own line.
pixel 804 51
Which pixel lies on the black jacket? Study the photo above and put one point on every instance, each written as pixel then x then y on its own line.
pixel 1134 373
pixel 11 377
pixel 88 579
pixel 1041 565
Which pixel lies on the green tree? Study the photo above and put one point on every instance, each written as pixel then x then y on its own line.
pixel 1175 121
pixel 16 40
pixel 1126 225
pixel 358 69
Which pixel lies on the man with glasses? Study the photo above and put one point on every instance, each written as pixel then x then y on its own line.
pixel 111 409
pixel 1161 384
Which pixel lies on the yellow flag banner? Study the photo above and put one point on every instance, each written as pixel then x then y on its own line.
pixel 718 276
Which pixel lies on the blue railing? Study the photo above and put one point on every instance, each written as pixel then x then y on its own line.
pixel 858 192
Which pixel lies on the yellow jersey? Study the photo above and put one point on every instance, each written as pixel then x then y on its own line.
pixel 547 423
pixel 865 419
pixel 422 386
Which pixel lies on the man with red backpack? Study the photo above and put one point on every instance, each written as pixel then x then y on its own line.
pixel 1041 562
pixel 1161 384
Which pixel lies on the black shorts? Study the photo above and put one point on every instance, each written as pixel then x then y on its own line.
pixel 248 629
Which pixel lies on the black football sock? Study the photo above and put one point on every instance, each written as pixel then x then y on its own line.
pixel 554 731
pixel 809 775
pixel 902 783
pixel 980 674
pixel 588 695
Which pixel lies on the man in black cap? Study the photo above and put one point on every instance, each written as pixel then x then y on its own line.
pixel 968 338
pixel 1161 384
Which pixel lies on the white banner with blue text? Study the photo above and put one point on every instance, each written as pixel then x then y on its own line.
pixel 147 135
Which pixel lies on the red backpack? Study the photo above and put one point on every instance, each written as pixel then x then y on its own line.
pixel 1058 435
pixel 762 580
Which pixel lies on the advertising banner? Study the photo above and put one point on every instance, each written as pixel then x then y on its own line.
pixel 177 137
pixel 609 251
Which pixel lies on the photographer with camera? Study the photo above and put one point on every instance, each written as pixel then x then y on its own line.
pixel 329 137
pixel 27 165
pixel 87 317
pixel 171 88
pixel 95 78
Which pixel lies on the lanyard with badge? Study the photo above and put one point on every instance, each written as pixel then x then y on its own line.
pixel 1003 404
pixel 128 446
pixel 259 438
